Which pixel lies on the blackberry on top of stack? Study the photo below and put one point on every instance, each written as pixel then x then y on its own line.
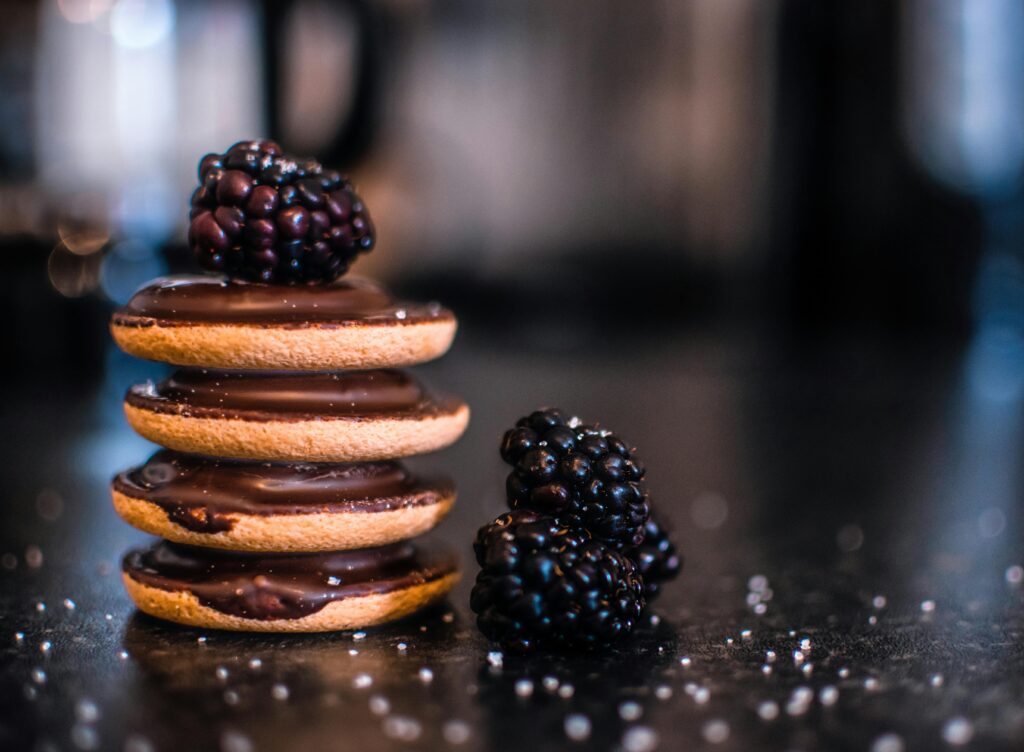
pixel 575 562
pixel 279 494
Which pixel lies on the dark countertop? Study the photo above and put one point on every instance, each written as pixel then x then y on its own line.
pixel 871 494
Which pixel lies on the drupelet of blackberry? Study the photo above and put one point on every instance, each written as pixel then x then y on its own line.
pixel 543 585
pixel 582 474
pixel 261 215
pixel 656 558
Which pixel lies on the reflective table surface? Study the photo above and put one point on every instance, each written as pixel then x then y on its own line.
pixel 850 515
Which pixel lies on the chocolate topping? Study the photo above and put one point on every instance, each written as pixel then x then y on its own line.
pixel 192 299
pixel 200 493
pixel 283 586
pixel 289 395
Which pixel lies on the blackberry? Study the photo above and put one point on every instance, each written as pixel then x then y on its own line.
pixel 584 475
pixel 261 215
pixel 656 558
pixel 543 585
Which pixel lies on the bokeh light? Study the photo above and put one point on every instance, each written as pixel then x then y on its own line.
pixel 137 24
pixel 71 274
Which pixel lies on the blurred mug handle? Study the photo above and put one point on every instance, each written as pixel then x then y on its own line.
pixel 353 136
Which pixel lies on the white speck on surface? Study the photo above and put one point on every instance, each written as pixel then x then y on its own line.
pixel 640 739
pixel 888 743
pixel 201 639
pixel 123 655
pixel 455 732
pixel 69 604
pixel 685 661
pixel 235 741
pixel 577 727
pixel 715 731
pixel 768 710
pixel 549 683
pixel 87 711
pixel 1014 574
pixel 353 651
pixel 879 601
pixel 108 617
pixel 872 620
pixel 221 673
pixel 746 634
pixel 798 657
pixel 566 691
pixel 401 647
pixel 138 743
pixel 844 673
pixel 426 675
pixel 84 736
pixel 663 692
pixel 807 669
pixel 957 731
pixel 729 641
pixel 40 606
pixel 19 637
pixel 357 636
pixel 927 606
pixel 805 644
pixel 799 701
pixel 401 314
pixel 936 680
pixel 850 538
pixel 333 581
pixel 769 656
pixel 702 695
pixel 828 696
pixel 496 658
pixel 630 710
pixel 362 681
pixel 690 688
pixel 279 692
pixel 871 684
pixel 38 676
pixel 380 705
pixel 255 664
pixel 766 669
pixel 45 647
pixel 524 688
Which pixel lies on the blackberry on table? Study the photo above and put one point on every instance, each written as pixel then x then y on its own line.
pixel 261 215
pixel 543 585
pixel 656 558
pixel 584 475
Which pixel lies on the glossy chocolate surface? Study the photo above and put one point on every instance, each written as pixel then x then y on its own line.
pixel 195 299
pixel 201 493
pixel 283 586
pixel 284 395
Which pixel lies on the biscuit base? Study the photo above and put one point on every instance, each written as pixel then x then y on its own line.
pixel 310 348
pixel 324 440
pixel 182 607
pixel 290 533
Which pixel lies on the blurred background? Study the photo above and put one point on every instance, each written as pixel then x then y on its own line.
pixel 555 168
pixel 778 244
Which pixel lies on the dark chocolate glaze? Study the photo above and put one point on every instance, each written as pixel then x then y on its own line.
pixel 284 586
pixel 192 299
pixel 201 493
pixel 289 395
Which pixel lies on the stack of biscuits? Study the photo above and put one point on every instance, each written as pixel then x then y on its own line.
pixel 279 495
